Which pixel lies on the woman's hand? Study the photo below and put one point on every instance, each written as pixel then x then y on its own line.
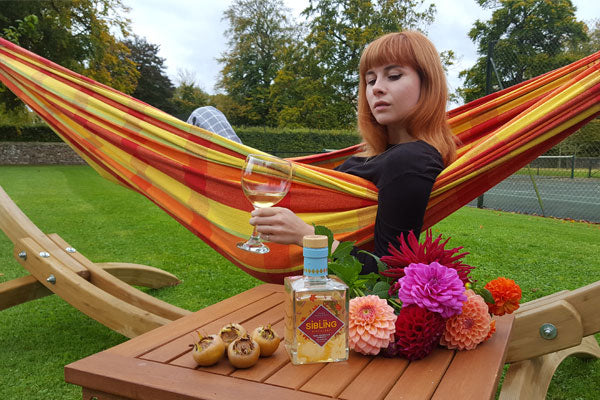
pixel 280 225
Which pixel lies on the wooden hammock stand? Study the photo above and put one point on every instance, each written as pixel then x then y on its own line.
pixel 103 292
pixel 100 290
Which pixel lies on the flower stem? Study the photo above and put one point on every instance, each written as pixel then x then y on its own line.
pixel 395 304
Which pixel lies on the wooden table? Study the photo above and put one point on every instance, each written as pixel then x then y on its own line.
pixel 159 365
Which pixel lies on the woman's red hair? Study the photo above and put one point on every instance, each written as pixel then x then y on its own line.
pixel 427 121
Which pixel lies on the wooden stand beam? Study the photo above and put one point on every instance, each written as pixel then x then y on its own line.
pixel 530 379
pixel 21 290
pixel 574 314
pixel 94 289
pixel 571 319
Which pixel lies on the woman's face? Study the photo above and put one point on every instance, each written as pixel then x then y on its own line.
pixel 392 91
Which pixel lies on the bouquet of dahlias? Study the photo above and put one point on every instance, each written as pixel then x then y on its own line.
pixel 422 297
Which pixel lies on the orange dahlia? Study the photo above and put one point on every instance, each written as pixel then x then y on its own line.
pixel 506 295
pixel 371 324
pixel 466 330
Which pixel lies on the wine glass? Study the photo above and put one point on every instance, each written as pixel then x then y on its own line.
pixel 265 181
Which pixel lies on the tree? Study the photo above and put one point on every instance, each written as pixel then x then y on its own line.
pixel 300 96
pixel 317 87
pixel 525 38
pixel 585 48
pixel 74 34
pixel 154 86
pixel 258 31
pixel 339 30
pixel 188 96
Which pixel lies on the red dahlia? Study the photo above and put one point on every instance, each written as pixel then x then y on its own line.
pixel 411 251
pixel 418 331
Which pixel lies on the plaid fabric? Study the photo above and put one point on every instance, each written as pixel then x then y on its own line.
pixel 194 174
pixel 213 120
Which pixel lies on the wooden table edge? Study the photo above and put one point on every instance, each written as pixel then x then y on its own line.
pixel 104 372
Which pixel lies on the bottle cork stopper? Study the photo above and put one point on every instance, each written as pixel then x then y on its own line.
pixel 315 241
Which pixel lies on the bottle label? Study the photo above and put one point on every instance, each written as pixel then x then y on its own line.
pixel 321 325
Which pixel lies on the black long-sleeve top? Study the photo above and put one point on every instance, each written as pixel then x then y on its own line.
pixel 404 175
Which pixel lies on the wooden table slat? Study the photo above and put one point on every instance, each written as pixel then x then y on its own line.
pixel 149 380
pixel 90 394
pixel 179 346
pixel 294 376
pixel 376 380
pixel 182 326
pixel 421 377
pixel 335 377
pixel 487 359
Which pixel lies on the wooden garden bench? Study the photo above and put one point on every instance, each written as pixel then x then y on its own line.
pixel 102 291
pixel 545 332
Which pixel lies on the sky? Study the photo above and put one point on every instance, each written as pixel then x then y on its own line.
pixel 190 33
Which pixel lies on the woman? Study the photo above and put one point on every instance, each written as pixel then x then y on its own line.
pixel 402 120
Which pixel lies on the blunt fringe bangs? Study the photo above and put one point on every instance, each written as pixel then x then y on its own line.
pixel 427 121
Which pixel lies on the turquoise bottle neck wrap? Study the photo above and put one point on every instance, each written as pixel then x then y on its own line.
pixel 315 262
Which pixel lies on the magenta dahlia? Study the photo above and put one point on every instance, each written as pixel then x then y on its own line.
pixel 434 287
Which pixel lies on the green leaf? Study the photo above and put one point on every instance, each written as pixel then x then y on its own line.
pixel 347 267
pixel 381 289
pixel 342 252
pixel 347 273
pixel 486 294
pixel 381 266
pixel 323 230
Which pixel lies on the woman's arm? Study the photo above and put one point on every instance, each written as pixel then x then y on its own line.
pixel 281 225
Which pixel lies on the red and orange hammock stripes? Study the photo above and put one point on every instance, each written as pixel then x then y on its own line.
pixel 194 175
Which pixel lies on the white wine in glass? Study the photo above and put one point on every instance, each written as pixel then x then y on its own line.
pixel 265 181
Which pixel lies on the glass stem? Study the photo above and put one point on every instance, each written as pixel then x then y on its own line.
pixel 255 234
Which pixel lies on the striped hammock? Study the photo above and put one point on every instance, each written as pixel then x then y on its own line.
pixel 194 175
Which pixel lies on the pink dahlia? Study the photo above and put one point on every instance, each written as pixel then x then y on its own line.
pixel 418 331
pixel 471 327
pixel 372 324
pixel 434 287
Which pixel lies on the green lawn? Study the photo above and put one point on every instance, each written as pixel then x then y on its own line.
pixel 106 222
pixel 561 172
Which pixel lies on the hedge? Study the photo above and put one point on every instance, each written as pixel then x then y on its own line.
pixel 281 142
pixel 27 133
pixel 291 142
pixel 294 143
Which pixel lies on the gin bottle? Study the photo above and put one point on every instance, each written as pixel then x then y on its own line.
pixel 316 309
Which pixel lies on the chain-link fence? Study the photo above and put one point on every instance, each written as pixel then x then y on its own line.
pixel 551 186
pixel 564 182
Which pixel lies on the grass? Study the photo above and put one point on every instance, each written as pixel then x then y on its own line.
pixel 560 172
pixel 108 223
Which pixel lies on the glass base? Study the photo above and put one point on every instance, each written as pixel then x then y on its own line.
pixel 253 245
